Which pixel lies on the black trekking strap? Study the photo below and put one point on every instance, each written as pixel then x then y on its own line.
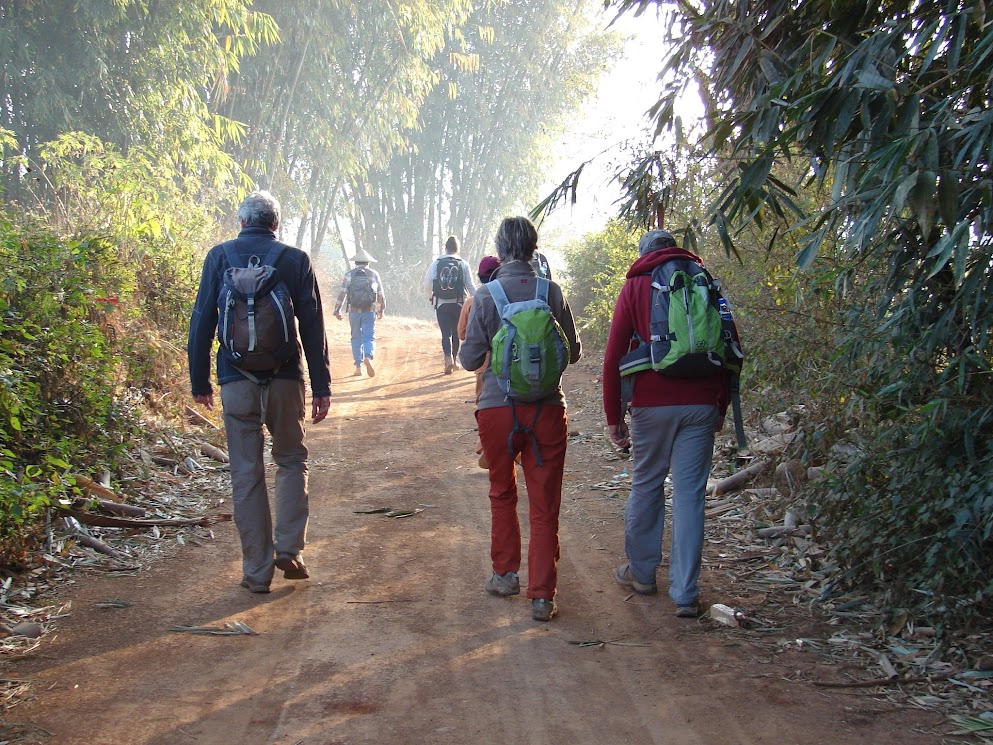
pixel 739 423
pixel 525 430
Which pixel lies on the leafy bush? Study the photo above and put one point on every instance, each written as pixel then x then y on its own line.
pixel 597 266
pixel 912 518
pixel 58 369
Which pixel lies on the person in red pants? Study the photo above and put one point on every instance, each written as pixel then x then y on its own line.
pixel 540 440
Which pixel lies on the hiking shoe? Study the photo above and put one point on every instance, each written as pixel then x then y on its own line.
pixel 624 577
pixel 292 566
pixel 503 585
pixel 358 371
pixel 692 610
pixel 369 368
pixel 252 587
pixel 543 609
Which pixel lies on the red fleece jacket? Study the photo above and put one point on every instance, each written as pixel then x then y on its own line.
pixel 631 315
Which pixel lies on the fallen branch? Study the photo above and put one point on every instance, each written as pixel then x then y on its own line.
pixel 97 545
pixel 89 485
pixel 214 452
pixel 232 628
pixel 737 480
pixel 778 531
pixel 199 418
pixel 115 508
pixel 884 681
pixel 105 521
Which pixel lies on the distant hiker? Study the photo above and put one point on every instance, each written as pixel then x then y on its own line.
pixel 511 422
pixel 677 403
pixel 448 281
pixel 362 293
pixel 252 396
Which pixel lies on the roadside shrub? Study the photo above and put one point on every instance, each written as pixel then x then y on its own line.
pixel 59 371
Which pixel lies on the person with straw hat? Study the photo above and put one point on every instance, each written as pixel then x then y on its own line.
pixel 362 294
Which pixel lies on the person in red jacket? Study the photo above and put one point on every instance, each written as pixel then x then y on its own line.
pixel 673 421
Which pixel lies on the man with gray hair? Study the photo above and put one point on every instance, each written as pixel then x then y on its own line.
pixel 273 397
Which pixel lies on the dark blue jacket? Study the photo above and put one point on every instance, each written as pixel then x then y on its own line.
pixel 297 272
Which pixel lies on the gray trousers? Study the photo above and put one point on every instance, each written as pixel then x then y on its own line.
pixel 679 439
pixel 281 407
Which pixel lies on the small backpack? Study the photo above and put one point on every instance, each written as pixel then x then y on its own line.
pixel 541 267
pixel 693 334
pixel 362 290
pixel 255 314
pixel 449 280
pixel 530 351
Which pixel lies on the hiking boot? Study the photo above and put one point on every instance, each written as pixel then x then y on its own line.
pixel 624 577
pixel 358 371
pixel 543 609
pixel 292 566
pixel 503 585
pixel 449 366
pixel 252 587
pixel 691 610
pixel 369 368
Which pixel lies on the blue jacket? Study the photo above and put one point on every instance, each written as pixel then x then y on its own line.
pixel 297 272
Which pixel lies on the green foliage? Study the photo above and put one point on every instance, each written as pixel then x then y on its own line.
pixel 58 370
pixel 133 74
pixel 597 267
pixel 917 527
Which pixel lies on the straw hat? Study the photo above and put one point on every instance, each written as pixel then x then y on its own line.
pixel 362 257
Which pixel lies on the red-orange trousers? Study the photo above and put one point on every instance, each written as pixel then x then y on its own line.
pixel 544 489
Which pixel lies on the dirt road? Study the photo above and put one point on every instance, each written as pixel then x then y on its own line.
pixel 393 638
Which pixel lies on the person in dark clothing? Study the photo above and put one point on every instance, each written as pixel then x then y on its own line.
pixel 448 281
pixel 276 399
pixel 673 421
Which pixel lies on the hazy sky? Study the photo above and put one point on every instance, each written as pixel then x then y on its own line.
pixel 614 114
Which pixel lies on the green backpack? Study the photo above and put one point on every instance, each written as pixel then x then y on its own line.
pixel 530 351
pixel 693 334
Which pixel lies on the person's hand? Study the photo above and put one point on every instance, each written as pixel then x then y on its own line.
pixel 206 399
pixel 379 315
pixel 337 314
pixel 619 435
pixel 719 425
pixel 320 408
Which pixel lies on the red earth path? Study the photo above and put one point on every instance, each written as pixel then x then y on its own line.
pixel 393 639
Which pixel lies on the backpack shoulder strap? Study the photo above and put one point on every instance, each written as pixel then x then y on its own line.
pixel 541 292
pixel 231 255
pixel 498 294
pixel 274 254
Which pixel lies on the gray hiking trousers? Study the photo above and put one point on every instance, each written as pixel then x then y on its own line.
pixel 281 407
pixel 679 439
